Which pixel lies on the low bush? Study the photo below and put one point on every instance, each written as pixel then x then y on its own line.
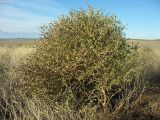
pixel 82 59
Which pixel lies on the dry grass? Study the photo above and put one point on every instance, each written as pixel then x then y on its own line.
pixel 14 54
pixel 152 44
pixel 16 106
pixel 12 43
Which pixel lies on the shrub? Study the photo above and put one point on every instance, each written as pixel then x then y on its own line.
pixel 83 58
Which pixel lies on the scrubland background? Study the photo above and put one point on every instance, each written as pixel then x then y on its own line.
pixel 11 53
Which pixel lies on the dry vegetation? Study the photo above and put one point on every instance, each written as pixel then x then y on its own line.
pixel 141 101
pixel 145 107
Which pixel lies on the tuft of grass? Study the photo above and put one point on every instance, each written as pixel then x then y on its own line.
pixel 150 59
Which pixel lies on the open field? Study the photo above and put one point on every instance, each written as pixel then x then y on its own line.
pixel 11 52
pixel 9 43
pixel 153 44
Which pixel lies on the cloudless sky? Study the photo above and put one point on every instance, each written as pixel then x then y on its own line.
pixel 23 18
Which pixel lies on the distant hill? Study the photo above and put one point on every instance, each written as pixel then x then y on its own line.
pixel 17 39
pixel 6 35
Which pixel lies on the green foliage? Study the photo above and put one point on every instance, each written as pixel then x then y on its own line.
pixel 83 58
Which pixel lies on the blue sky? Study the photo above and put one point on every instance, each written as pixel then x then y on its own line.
pixel 23 18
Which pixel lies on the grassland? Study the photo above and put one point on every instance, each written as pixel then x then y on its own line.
pixel 152 44
pixel 146 107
